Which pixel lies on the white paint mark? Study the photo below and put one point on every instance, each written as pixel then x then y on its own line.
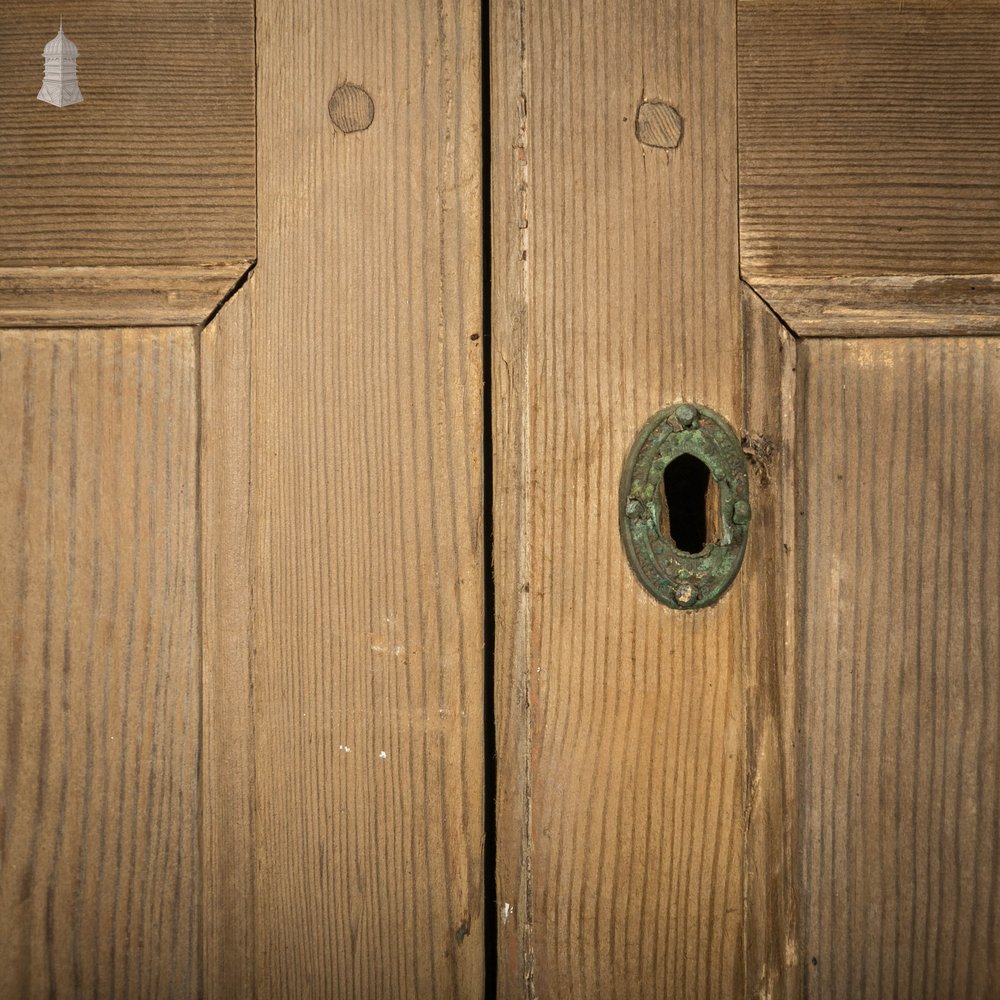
pixel 505 912
pixel 344 749
pixel 381 754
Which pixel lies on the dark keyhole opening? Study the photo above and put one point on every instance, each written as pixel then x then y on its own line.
pixel 690 507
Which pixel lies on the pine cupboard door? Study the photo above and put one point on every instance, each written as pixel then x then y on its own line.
pixel 325 331
pixel 870 224
pixel 124 220
pixel 790 213
pixel 241 502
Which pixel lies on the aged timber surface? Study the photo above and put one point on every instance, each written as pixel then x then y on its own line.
pixel 156 166
pixel 99 664
pixel 899 715
pixel 620 722
pixel 886 305
pixel 112 296
pixel 360 577
pixel 228 793
pixel 773 958
pixel 869 138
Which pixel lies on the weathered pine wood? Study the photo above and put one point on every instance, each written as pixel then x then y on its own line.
pixel 886 306
pixel 365 470
pixel 869 144
pixel 99 664
pixel 898 754
pixel 156 166
pixel 114 296
pixel 620 723
pixel 227 813
pixel 773 958
pixel 513 684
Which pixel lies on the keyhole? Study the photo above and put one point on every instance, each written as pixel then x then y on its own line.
pixel 690 504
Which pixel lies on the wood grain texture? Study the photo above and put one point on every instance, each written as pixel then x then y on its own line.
pixel 227 814
pixel 869 139
pixel 886 306
pixel 114 296
pixel 620 723
pixel 156 166
pixel 771 903
pixel 899 757
pixel 366 473
pixel 99 681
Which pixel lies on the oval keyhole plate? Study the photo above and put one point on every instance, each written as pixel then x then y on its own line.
pixel 700 439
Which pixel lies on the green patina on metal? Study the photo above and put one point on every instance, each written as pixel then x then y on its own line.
pixel 682 580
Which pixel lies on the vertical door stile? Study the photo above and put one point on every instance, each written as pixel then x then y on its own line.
pixel 621 747
pixel 362 349
pixel 771 877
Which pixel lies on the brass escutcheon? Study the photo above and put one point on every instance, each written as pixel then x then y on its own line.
pixel 684 580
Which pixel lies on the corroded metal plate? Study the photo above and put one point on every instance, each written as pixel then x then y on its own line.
pixel 683 580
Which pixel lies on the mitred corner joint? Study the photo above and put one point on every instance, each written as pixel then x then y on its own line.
pixel 117 296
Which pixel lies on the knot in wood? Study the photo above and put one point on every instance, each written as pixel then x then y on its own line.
pixel 351 108
pixel 658 124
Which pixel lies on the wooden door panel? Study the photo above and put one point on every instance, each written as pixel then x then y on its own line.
pixel 243 621
pixel 229 875
pixel 137 206
pixel 771 888
pixel 869 138
pixel 298 809
pixel 899 642
pixel 870 165
pixel 167 295
pixel 890 305
pixel 134 212
pixel 620 724
pixel 156 166
pixel 361 334
pixel 99 692
pixel 868 202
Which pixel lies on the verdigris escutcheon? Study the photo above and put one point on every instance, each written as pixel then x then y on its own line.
pixel 684 580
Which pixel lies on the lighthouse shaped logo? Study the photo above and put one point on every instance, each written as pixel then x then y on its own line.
pixel 60 86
